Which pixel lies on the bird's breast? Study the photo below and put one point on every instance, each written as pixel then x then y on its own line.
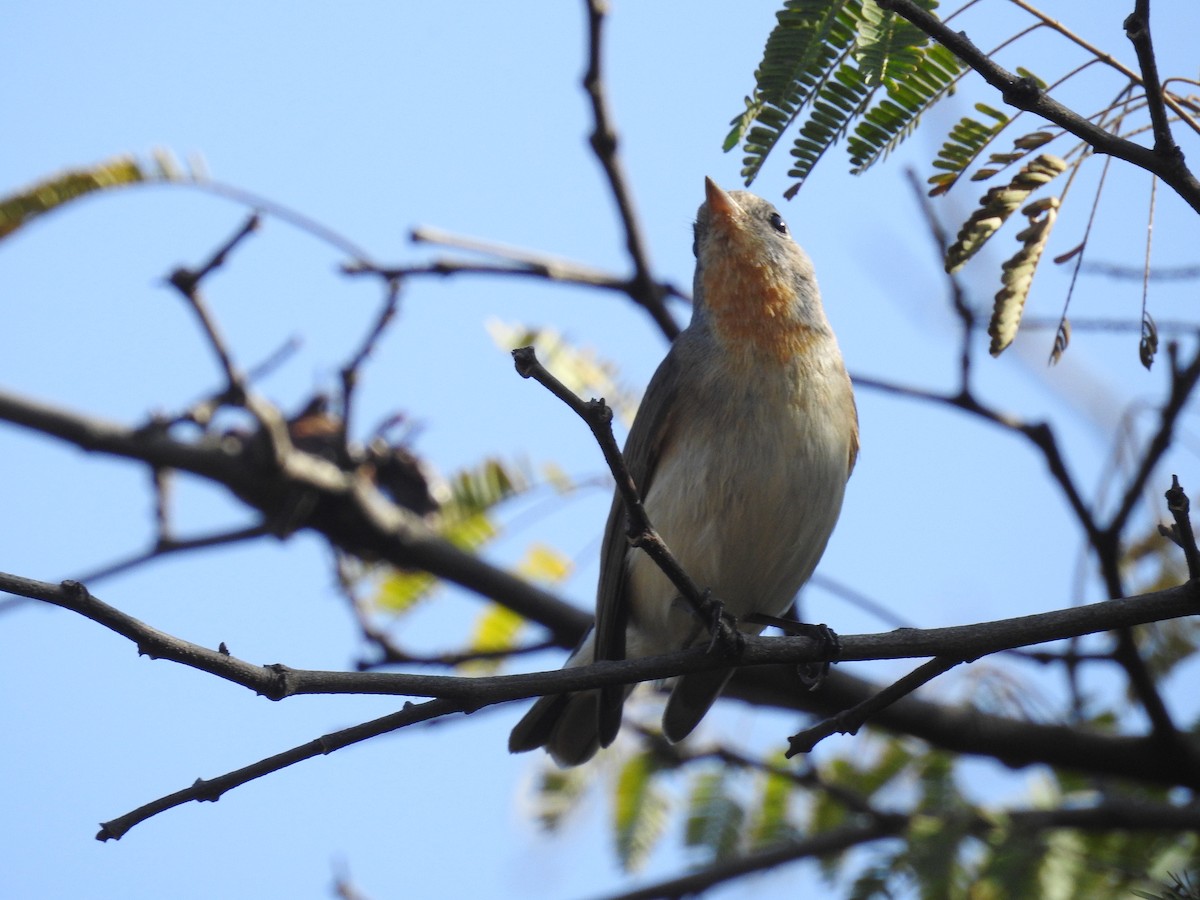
pixel 745 493
pixel 753 308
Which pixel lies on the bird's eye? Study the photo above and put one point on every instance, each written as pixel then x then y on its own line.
pixel 696 241
pixel 777 223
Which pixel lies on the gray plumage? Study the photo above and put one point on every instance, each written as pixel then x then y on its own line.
pixel 741 450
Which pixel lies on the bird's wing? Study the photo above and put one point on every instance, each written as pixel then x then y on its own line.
pixel 650 434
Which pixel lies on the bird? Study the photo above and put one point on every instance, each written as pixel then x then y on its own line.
pixel 741 450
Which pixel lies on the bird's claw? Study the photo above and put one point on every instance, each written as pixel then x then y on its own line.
pixel 813 674
pixel 722 627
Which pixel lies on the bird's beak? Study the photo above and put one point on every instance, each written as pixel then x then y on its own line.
pixel 719 202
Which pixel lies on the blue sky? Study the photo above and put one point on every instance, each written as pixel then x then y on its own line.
pixel 373 118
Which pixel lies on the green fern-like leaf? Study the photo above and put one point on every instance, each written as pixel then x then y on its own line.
pixel 496 629
pixel 998 204
pixel 966 140
pixel 17 210
pixel 558 794
pixel 641 811
pixel 1012 862
pixel 830 60
pixel 887 124
pixel 714 817
pixel 1017 273
pixel 769 822
pixel 828 122
pixel 465 520
pixel 810 40
pixel 889 48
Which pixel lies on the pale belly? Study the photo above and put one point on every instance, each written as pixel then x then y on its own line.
pixel 747 511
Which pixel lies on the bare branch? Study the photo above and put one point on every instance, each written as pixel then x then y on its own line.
pixel 349 371
pixel 1183 383
pixel 165 546
pixel 345 507
pixel 850 720
pixel 643 289
pixel 278 681
pixel 1038 433
pixel 828 843
pixel 1121 813
pixel 211 790
pixel 1182 533
pixel 187 282
pixel 1137 29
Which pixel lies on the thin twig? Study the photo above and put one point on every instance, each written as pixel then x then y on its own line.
pixel 1183 384
pixel 292 217
pixel 1108 59
pixel 644 289
pixel 187 282
pixel 1182 533
pixel 166 546
pixel 958 295
pixel 1087 232
pixel 559 271
pixel 349 371
pixel 598 416
pixel 1137 29
pixel 850 720
pixel 211 789
pixel 390 653
pixel 274 360
pixel 1038 433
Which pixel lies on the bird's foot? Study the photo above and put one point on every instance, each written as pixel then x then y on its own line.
pixel 812 674
pixel 722 626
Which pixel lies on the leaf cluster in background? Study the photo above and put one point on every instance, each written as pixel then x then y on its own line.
pixel 468 515
pixel 56 191
pixel 847 69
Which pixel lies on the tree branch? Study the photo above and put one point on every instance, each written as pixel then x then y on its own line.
pixel 1182 533
pixel 1023 93
pixel 345 507
pixel 1108 815
pixel 598 417
pixel 212 789
pixel 848 721
pixel 644 289
pixel 828 843
pixel 1137 29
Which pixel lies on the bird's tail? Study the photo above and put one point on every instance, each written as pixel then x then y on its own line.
pixel 567 725
pixel 690 699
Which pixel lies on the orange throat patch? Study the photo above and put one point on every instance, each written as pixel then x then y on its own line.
pixel 753 306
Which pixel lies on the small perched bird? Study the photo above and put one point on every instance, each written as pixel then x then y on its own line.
pixel 741 451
